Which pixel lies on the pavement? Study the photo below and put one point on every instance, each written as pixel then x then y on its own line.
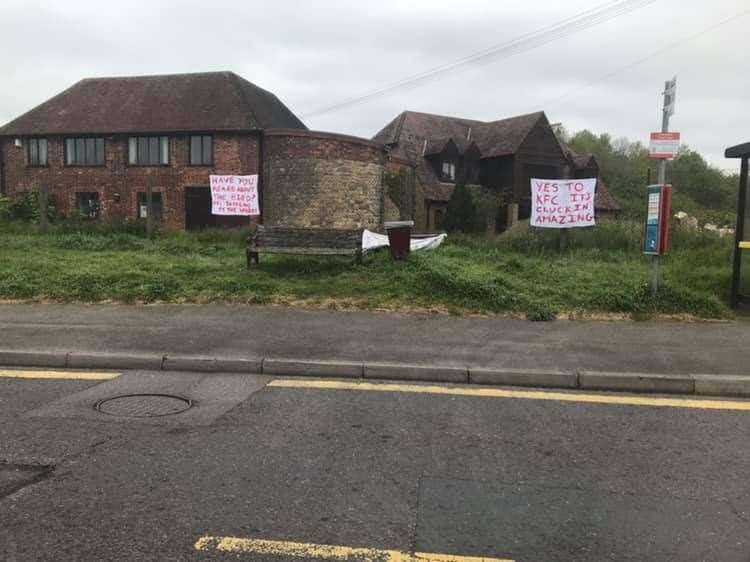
pixel 271 469
pixel 253 332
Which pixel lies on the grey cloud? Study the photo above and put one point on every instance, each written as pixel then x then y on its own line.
pixel 315 54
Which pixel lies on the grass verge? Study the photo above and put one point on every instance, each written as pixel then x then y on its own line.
pixel 601 271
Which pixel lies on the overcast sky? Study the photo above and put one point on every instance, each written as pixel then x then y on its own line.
pixel 315 54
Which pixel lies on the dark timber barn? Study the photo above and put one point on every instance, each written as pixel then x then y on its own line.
pixel 499 156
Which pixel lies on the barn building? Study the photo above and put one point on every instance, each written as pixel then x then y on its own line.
pixel 499 157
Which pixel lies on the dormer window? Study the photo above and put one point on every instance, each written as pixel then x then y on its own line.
pixel 449 171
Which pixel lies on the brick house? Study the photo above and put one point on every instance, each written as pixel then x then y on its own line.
pixel 97 144
pixel 499 157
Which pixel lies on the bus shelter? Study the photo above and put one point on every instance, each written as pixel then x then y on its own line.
pixel 741 271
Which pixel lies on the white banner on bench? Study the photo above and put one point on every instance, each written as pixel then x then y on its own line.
pixel 372 241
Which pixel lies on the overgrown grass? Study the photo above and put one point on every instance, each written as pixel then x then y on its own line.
pixel 601 271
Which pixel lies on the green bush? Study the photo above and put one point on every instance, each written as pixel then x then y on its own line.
pixel 540 312
pixel 5 209
pixel 461 214
pixel 25 207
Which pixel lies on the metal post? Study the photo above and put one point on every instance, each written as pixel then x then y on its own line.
pixel 43 204
pixel 739 233
pixel 562 241
pixel 149 207
pixel 563 237
pixel 656 261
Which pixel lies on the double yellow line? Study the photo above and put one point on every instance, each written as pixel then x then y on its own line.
pixel 57 375
pixel 484 392
pixel 260 547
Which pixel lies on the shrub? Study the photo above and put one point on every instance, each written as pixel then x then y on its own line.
pixel 539 312
pixel 461 214
pixel 25 207
pixel 5 212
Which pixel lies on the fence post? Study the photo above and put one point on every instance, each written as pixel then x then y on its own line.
pixel 43 204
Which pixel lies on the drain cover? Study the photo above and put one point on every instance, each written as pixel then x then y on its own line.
pixel 143 405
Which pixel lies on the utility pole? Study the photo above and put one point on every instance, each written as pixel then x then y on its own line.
pixel 670 88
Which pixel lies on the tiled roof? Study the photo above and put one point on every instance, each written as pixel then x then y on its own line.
pixel 211 101
pixel 439 191
pixel 411 129
pixel 580 161
pixel 604 200
pixel 504 137
pixel 437 146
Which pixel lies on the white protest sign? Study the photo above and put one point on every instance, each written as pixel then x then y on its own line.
pixel 562 203
pixel 234 195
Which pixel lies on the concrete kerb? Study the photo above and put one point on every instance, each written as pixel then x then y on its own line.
pixel 114 361
pixel 636 382
pixel 524 377
pixel 425 373
pixel 34 359
pixel 697 384
pixel 722 385
pixel 297 368
pixel 211 364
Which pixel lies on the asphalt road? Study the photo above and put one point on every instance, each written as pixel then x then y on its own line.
pixel 236 331
pixel 399 469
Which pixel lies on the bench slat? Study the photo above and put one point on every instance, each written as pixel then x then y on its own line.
pixel 304 241
pixel 304 251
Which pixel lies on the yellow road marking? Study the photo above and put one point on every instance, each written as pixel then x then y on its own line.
pixel 627 400
pixel 58 375
pixel 324 552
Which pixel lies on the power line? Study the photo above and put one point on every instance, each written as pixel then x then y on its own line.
pixel 584 20
pixel 648 57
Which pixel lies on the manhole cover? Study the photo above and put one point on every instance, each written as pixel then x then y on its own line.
pixel 143 405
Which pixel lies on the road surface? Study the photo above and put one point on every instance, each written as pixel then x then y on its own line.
pixel 291 469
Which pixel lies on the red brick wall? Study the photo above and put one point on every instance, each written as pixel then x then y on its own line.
pixel 233 154
pixel 314 179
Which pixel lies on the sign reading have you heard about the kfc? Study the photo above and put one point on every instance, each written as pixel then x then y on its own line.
pixel 234 195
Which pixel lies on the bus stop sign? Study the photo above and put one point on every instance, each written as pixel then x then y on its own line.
pixel 657 220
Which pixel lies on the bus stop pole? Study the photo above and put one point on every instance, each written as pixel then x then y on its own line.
pixel 739 233
pixel 655 263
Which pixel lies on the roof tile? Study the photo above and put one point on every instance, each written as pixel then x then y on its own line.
pixel 211 101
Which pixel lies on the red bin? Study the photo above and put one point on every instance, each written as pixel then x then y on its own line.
pixel 399 238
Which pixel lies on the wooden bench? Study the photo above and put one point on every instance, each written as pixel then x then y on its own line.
pixel 303 241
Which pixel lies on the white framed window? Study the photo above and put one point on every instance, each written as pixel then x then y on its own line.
pixel 84 151
pixel 37 152
pixel 148 151
pixel 201 150
pixel 449 171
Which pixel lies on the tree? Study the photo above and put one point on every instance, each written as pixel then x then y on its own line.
pixel 700 189
pixel 461 213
